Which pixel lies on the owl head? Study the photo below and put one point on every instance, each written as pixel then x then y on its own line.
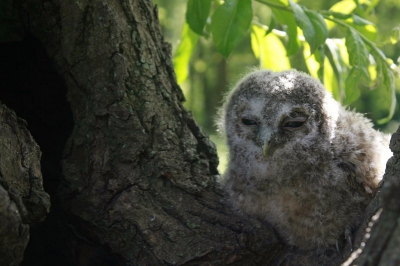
pixel 267 111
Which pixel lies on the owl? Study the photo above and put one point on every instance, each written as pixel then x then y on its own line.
pixel 298 159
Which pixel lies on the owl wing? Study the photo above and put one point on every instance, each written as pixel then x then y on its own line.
pixel 357 184
pixel 358 149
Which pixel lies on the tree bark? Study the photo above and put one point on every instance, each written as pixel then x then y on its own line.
pixel 139 175
pixel 139 182
pixel 22 199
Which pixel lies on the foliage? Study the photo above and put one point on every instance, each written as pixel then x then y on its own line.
pixel 339 45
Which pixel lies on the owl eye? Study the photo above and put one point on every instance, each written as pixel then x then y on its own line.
pixel 293 123
pixel 249 122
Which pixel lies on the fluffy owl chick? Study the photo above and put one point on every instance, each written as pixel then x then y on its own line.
pixel 298 159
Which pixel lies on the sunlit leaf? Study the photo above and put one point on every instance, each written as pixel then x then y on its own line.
pixel 358 53
pixel 305 24
pixel 368 31
pixel 341 44
pixel 314 66
pixel 372 73
pixel 229 24
pixel 269 50
pixel 339 68
pixel 184 52
pixel 344 7
pixel 287 18
pixel 330 81
pixel 341 10
pixel 196 14
pixel 310 60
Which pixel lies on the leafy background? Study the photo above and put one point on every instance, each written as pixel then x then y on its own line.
pixel 209 60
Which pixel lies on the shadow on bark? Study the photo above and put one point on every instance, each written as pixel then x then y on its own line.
pixel 31 86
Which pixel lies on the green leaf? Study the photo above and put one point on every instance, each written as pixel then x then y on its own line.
pixel 363 26
pixel 344 7
pixel 368 31
pixel 319 25
pixel 311 62
pixel 196 14
pixel 229 24
pixel 304 22
pixel 341 10
pixel 272 24
pixel 339 15
pixel 317 69
pixel 320 58
pixel 360 21
pixel 351 89
pixel 269 50
pixel 287 18
pixel 339 68
pixel 387 83
pixel 184 52
pixel 358 53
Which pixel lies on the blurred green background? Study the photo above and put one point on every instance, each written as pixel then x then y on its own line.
pixel 211 76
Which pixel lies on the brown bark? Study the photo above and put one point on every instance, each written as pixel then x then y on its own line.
pixel 139 176
pixel 22 199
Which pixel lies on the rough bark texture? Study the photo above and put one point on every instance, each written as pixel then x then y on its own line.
pixel 22 199
pixel 139 176
pixel 14 234
pixel 139 173
pixel 20 166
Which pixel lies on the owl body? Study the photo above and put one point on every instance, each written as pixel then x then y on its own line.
pixel 298 159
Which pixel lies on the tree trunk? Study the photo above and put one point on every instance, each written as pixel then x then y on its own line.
pixel 138 183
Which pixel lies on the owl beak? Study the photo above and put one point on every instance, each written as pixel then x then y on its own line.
pixel 266 148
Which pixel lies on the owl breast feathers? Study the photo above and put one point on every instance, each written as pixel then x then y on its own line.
pixel 298 159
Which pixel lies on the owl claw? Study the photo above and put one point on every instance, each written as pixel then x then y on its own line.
pixel 337 246
pixel 347 235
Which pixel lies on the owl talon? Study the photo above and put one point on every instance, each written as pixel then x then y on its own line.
pixel 337 246
pixel 347 235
